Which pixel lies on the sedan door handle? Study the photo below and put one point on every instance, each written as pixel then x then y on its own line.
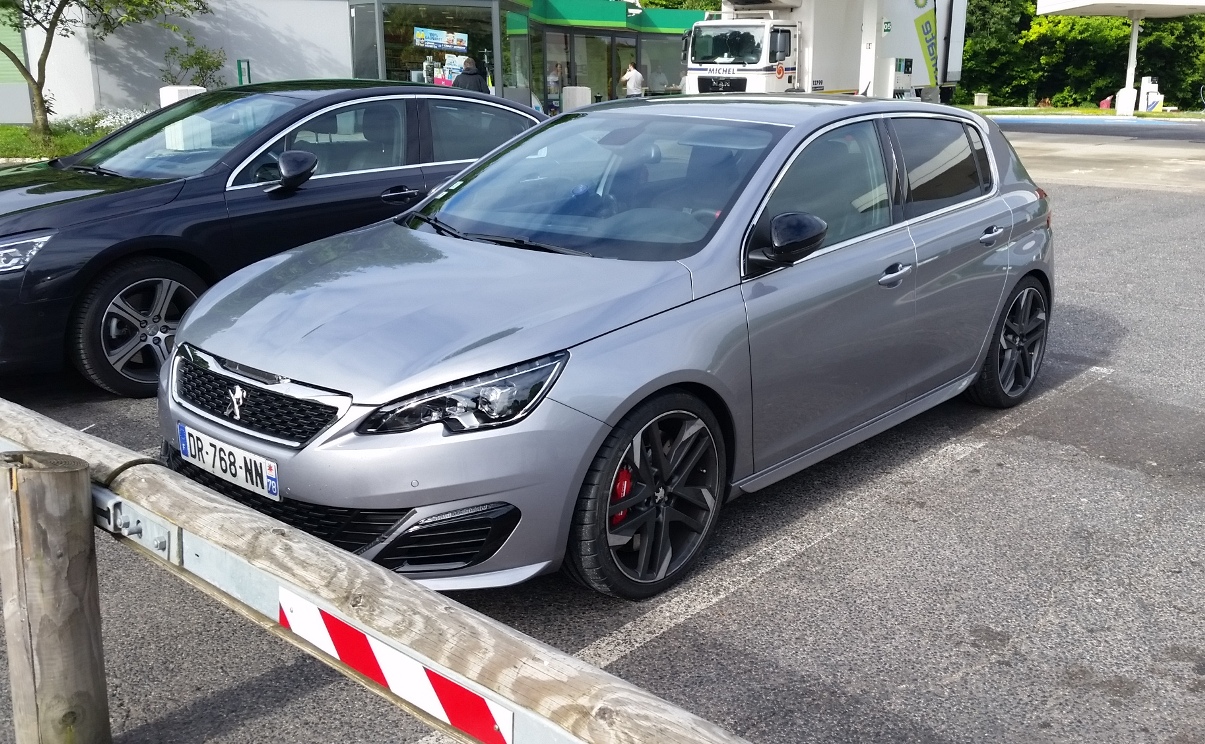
pixel 400 195
pixel 895 274
pixel 989 235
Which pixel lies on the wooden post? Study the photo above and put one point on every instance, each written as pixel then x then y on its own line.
pixel 51 600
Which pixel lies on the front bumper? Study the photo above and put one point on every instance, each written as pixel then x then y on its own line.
pixel 392 482
pixel 31 334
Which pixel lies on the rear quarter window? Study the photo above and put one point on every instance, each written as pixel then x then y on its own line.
pixel 940 164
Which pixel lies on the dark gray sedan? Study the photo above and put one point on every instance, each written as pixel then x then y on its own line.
pixel 578 350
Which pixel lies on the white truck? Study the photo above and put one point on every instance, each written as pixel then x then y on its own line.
pixel 881 48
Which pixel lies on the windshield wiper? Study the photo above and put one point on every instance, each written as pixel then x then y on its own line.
pixel 527 244
pixel 440 226
pixel 96 170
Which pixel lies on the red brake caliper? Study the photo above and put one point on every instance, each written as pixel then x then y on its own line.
pixel 620 491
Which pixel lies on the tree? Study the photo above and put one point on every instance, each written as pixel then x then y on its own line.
pixel 1019 57
pixel 64 18
pixel 196 65
pixel 682 4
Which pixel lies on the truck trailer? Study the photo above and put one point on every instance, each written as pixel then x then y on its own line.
pixel 880 48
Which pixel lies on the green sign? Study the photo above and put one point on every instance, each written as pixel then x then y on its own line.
pixel 244 71
pixel 886 27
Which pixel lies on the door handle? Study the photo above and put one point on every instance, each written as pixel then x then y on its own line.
pixel 400 194
pixel 895 274
pixel 989 235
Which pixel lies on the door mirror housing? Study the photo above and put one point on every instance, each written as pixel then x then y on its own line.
pixel 793 235
pixel 296 167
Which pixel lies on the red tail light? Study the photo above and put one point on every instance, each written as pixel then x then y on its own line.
pixel 1049 209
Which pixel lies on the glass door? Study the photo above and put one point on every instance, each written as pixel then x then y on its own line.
pixel 593 66
pixel 625 53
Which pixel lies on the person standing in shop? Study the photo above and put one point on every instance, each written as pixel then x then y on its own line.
pixel 634 81
pixel 470 78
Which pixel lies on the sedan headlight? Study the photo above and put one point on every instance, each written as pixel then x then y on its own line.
pixel 17 252
pixel 496 398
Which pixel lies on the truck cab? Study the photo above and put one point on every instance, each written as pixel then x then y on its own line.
pixel 742 54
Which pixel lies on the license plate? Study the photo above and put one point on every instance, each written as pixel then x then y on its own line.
pixel 252 472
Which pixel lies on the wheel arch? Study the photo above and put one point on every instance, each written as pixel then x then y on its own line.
pixel 1047 285
pixel 169 248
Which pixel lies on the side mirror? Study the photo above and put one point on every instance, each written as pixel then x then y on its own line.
pixel 780 45
pixel 296 167
pixel 794 235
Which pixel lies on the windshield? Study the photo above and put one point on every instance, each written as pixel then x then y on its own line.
pixel 611 184
pixel 726 45
pixel 189 138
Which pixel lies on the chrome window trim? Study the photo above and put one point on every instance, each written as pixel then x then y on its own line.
pixel 902 168
pixel 341 402
pixel 333 107
pixel 331 175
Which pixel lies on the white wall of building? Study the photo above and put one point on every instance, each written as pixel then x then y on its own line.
pixel 283 39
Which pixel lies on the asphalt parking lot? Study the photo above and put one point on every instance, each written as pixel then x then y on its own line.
pixel 1031 576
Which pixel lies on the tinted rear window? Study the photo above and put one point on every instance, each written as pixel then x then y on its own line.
pixel 941 167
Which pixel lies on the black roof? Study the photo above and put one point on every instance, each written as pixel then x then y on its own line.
pixel 339 89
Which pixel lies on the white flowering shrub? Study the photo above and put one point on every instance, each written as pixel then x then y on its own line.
pixel 98 122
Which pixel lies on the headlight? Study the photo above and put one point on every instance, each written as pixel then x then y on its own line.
pixel 496 398
pixel 16 252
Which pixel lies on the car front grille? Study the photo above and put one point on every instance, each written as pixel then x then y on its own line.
pixel 261 411
pixel 350 529
pixel 449 544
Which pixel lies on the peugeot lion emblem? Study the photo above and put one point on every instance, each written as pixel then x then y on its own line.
pixel 238 397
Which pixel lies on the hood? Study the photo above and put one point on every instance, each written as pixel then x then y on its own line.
pixel 387 311
pixel 38 195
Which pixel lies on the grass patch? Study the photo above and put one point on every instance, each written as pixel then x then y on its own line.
pixel 15 142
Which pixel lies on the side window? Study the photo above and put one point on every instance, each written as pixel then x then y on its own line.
pixel 985 168
pixel 360 137
pixel 839 178
pixel 462 130
pixel 939 162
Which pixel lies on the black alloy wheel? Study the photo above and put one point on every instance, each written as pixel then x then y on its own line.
pixel 125 327
pixel 651 500
pixel 1015 358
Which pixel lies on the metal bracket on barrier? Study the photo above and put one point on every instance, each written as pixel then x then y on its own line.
pixel 120 517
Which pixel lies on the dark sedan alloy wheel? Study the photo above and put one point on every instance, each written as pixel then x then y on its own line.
pixel 1022 341
pixel 653 502
pixel 125 326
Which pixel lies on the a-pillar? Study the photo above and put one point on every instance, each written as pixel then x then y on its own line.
pixel 1127 97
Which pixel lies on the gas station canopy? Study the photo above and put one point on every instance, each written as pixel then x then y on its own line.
pixel 1143 8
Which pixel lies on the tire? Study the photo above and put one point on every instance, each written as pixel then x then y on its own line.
pixel 124 326
pixel 666 523
pixel 1018 348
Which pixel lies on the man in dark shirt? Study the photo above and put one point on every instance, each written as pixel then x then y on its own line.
pixel 471 78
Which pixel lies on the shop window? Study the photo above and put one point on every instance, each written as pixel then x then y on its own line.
pixel 558 72
pixel 364 62
pixel 662 65
pixel 428 43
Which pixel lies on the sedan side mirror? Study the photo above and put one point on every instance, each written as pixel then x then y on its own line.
pixel 794 235
pixel 296 167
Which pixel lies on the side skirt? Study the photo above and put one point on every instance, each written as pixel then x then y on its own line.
pixel 793 465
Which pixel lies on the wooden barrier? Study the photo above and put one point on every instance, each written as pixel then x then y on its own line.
pixel 553 696
pixel 51 600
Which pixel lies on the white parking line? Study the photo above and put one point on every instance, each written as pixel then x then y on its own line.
pixel 714 584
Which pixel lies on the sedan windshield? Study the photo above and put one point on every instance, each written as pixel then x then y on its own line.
pixel 726 45
pixel 187 139
pixel 610 184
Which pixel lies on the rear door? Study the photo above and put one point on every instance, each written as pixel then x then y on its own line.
pixel 367 171
pixel 830 337
pixel 961 227
pixel 458 131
